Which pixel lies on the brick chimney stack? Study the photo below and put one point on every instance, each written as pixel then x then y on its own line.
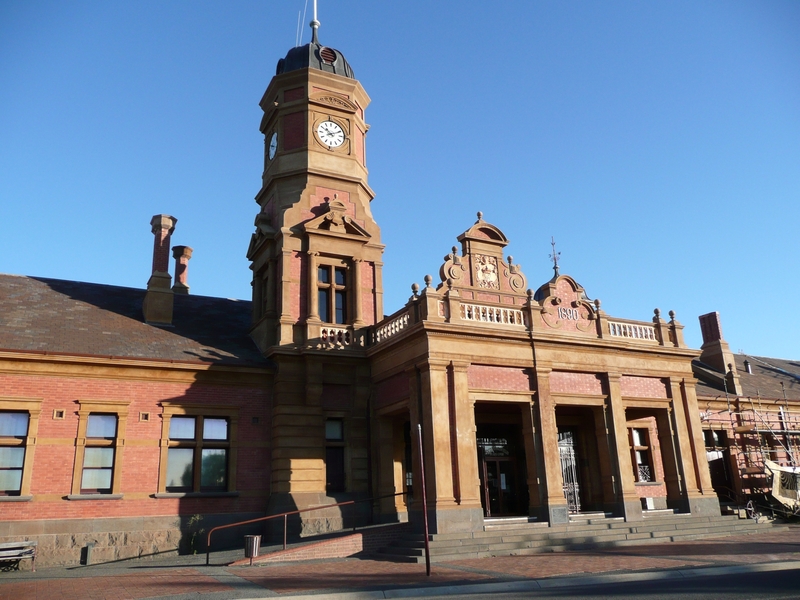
pixel 159 298
pixel 716 353
pixel 182 254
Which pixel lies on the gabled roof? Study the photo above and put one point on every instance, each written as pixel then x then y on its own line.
pixel 765 379
pixel 72 317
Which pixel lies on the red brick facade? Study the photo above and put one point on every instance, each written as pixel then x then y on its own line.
pixel 484 377
pixel 642 387
pixel 562 382
pixel 54 449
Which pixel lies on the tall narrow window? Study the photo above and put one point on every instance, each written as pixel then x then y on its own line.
pixel 640 449
pixel 197 458
pixel 99 447
pixel 334 456
pixel 332 294
pixel 98 457
pixel 13 433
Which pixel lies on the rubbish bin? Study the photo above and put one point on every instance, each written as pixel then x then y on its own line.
pixel 251 545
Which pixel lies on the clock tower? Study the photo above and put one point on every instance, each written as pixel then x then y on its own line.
pixel 316 262
pixel 314 206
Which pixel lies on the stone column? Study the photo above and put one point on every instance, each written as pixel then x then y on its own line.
pixel 556 503
pixel 359 316
pixel 311 282
pixel 286 334
pixel 271 290
pixel 630 505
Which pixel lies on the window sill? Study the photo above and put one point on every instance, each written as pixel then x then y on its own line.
pixel 646 483
pixel 196 495
pixel 16 498
pixel 94 497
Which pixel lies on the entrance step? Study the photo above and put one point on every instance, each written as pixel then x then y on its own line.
pixel 586 531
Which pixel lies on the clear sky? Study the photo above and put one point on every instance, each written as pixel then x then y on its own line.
pixel 659 142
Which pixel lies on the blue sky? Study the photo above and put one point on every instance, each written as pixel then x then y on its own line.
pixel 658 142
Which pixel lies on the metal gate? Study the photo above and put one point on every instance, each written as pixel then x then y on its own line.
pixel 569 470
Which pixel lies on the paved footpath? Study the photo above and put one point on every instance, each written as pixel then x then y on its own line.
pixel 182 578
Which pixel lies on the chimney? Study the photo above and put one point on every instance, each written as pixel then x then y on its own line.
pixel 716 353
pixel 182 254
pixel 158 300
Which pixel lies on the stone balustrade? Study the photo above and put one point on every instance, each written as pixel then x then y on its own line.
pixel 633 331
pixel 336 336
pixel 481 313
pixel 390 328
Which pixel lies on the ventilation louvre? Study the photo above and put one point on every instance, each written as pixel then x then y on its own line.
pixel 328 56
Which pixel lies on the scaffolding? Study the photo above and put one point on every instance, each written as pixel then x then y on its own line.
pixel 766 438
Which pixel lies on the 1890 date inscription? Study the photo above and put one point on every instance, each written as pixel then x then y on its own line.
pixel 569 314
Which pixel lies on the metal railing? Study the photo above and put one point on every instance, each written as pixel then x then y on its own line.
pixel 287 514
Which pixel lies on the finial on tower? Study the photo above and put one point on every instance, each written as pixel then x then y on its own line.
pixel 554 256
pixel 314 25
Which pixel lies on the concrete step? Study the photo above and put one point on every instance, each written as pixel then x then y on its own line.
pixel 534 538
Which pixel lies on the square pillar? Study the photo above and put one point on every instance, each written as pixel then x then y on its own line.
pixel 533 450
pixel 442 475
pixel 604 457
pixel 466 446
pixel 555 507
pixel 629 505
pixel 669 459
pixel 700 496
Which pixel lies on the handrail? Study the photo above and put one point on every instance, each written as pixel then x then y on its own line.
pixel 285 516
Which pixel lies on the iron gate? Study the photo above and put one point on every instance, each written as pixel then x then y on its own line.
pixel 569 469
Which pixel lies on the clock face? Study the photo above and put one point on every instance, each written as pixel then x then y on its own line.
pixel 330 134
pixel 273 145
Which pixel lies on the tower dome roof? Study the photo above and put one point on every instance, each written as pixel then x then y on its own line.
pixel 315 56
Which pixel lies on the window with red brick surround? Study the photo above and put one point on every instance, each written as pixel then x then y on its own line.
pixel 198 449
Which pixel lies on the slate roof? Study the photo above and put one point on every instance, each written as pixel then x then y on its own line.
pixel 72 317
pixel 765 379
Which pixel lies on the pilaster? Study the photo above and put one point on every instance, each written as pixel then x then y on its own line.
pixel 630 504
pixel 556 503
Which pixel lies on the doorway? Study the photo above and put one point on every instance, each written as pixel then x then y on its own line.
pixel 569 469
pixel 501 469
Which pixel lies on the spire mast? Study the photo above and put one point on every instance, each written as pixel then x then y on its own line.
pixel 554 256
pixel 314 26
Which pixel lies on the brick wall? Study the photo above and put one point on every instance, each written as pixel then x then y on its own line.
pixel 487 377
pixel 294 131
pixel 54 451
pixel 391 390
pixel 294 94
pixel 643 387
pixel 366 542
pixel 575 383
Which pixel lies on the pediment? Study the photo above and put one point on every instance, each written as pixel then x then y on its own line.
pixel 335 220
pixel 333 100
pixel 485 232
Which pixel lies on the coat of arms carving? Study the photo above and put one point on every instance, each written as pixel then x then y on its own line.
pixel 486 272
